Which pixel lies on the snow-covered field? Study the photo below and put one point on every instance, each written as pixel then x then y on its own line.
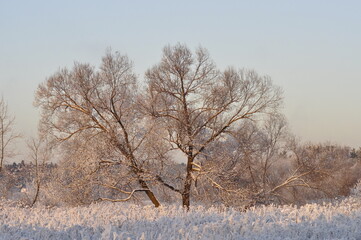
pixel 127 221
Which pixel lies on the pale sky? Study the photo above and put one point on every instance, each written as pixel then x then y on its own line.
pixel 312 49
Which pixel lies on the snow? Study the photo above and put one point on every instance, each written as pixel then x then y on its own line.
pixel 340 220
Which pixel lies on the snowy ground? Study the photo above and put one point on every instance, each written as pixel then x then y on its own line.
pixel 126 221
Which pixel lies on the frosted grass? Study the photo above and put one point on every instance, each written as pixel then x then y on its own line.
pixel 127 221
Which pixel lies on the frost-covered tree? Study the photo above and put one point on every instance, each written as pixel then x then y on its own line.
pixel 246 166
pixel 333 171
pixel 199 104
pixel 7 133
pixel 39 153
pixel 86 102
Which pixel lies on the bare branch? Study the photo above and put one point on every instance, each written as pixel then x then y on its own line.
pixel 123 199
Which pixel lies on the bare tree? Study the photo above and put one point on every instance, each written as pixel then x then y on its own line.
pixel 40 155
pixel 244 165
pixel 333 171
pixel 7 133
pixel 86 102
pixel 198 104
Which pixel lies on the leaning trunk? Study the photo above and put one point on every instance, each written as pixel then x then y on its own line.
pixel 37 182
pixel 149 193
pixel 138 172
pixel 36 194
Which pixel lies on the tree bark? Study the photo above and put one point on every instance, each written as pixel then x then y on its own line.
pixel 187 191
pixel 188 181
pixel 36 194
pixel 149 193
pixel 135 168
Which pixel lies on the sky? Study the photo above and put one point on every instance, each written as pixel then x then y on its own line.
pixel 312 49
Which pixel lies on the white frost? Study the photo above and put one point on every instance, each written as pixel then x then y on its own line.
pixel 127 221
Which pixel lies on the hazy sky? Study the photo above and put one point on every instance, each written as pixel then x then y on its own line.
pixel 312 49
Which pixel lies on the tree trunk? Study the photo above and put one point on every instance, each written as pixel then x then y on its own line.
pixel 187 191
pixel 137 171
pixel 37 176
pixel 149 193
pixel 36 194
pixel 188 182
